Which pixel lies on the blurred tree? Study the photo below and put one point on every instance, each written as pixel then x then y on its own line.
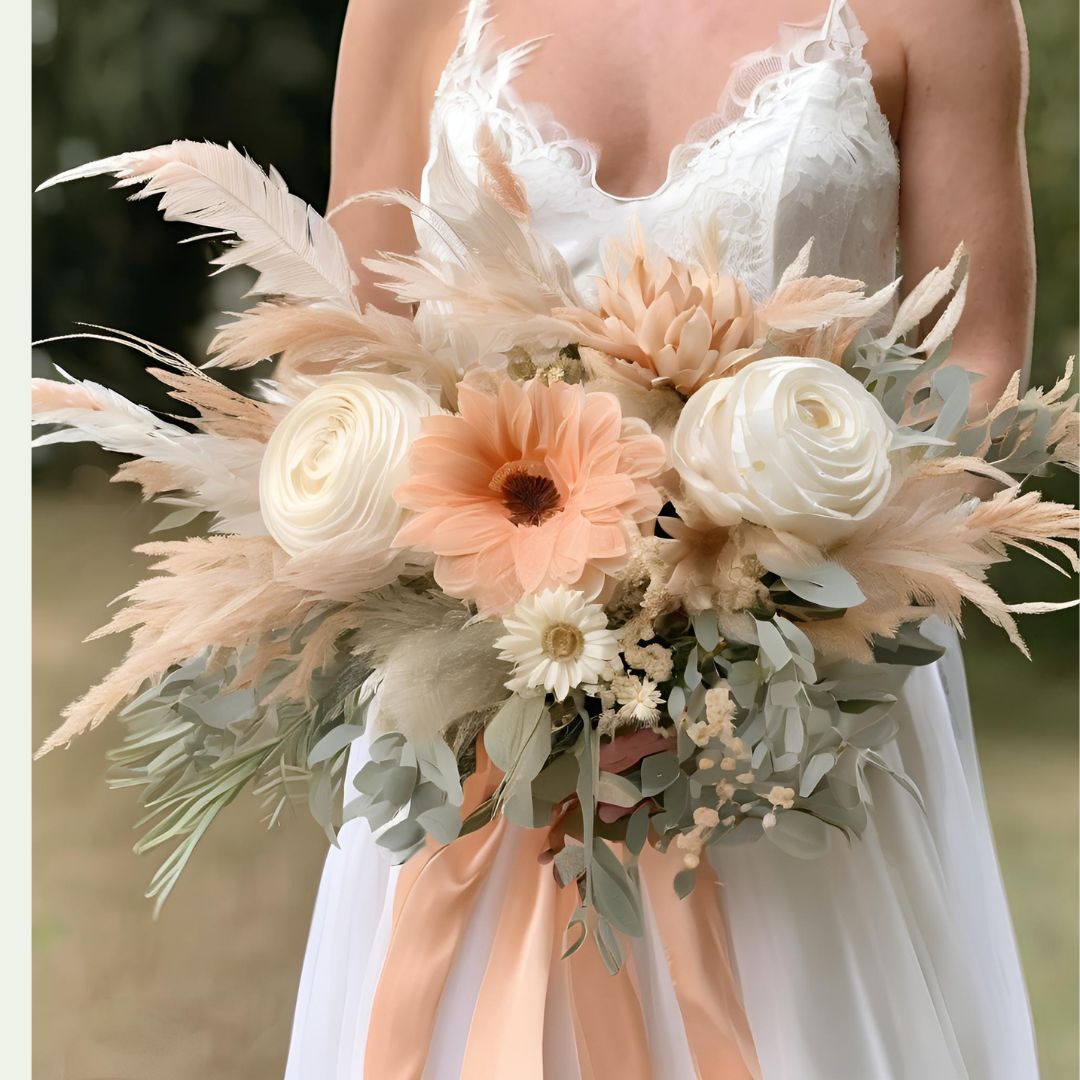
pixel 118 75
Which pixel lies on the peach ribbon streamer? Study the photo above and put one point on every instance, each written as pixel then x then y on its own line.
pixel 608 1025
pixel 695 943
pixel 508 1041
pixel 436 892
pixel 434 898
pixel 507 1033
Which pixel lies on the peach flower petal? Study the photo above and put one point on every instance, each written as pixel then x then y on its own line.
pixel 530 487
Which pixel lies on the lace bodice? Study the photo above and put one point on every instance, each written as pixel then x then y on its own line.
pixel 797 148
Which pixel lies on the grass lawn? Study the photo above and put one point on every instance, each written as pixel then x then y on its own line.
pixel 207 990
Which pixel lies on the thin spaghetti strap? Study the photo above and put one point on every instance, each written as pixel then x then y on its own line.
pixel 830 17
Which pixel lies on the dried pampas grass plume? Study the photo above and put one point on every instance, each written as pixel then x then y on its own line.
pixel 929 550
pixel 220 591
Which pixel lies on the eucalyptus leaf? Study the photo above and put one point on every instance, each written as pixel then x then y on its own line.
pixel 609 947
pixel 691 675
pixel 579 921
pixel 747 831
pixel 800 834
pixel 557 780
pixel 522 809
pixel 427 796
pixel 227 708
pixel 387 747
pixel 334 741
pixel 684 883
pixel 773 646
pixel 442 822
pixel 908 647
pixel 744 679
pixel 695 707
pixel 518 738
pixel 637 830
pixel 706 630
pixel 369 778
pixel 795 637
pixel 676 702
pixel 677 796
pixel 402 837
pixel 614 895
pixel 480 817
pixel 658 772
pixel 617 790
pixel 827 584
pixel 437 763
pixel 794 733
pixel 880 730
pixel 588 754
pixel 815 770
pixel 901 778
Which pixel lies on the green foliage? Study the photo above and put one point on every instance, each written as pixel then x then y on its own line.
pixel 194 743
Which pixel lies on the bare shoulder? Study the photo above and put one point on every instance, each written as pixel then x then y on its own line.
pixel 975 39
pixel 401 20
pixel 399 46
pixel 398 35
pixel 964 59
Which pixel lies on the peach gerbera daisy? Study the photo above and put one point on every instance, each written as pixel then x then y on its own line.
pixel 528 488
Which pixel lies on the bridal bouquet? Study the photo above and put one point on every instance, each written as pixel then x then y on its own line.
pixel 646 566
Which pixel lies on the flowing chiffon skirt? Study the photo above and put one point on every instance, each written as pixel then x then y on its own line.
pixel 892 958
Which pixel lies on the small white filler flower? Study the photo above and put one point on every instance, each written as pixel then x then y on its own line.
pixel 640 700
pixel 556 641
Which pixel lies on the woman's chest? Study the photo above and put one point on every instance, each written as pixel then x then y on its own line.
pixel 797 148
pixel 631 79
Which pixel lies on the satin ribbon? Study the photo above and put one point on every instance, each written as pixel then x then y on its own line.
pixel 435 896
pixel 436 893
pixel 694 938
pixel 507 1033
pixel 608 1026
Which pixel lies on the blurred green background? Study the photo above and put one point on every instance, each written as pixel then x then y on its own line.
pixel 208 990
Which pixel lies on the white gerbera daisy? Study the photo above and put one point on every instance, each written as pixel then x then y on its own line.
pixel 556 641
pixel 639 699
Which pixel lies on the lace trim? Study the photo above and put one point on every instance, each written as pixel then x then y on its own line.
pixel 481 72
pixel 798 45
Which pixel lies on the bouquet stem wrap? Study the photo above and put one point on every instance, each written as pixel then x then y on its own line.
pixel 437 892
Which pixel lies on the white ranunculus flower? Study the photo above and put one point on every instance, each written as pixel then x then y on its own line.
pixel 791 443
pixel 331 467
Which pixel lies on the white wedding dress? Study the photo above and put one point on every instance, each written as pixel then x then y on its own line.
pixel 892 958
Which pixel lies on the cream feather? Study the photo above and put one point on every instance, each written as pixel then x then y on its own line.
pixel 318 338
pixel 214 472
pixel 295 251
pixel 475 253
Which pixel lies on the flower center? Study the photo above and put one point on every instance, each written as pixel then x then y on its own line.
pixel 813 412
pixel 529 495
pixel 561 641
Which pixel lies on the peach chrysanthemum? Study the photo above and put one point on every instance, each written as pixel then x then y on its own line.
pixel 528 488
pixel 672 324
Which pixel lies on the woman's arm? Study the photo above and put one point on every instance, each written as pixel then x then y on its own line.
pixel 382 98
pixel 964 173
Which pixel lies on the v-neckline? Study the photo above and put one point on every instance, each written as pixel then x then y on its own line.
pixel 513 103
